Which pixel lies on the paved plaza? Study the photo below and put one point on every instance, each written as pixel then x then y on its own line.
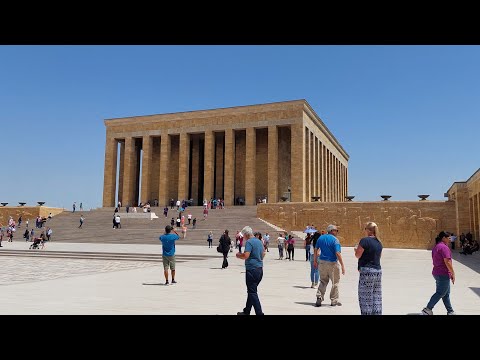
pixel 114 285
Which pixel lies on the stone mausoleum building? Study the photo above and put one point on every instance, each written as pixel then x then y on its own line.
pixel 273 151
pixel 466 195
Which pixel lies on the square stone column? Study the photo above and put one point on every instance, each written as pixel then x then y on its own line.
pixel 110 172
pixel 327 172
pixel 219 164
pixel 229 170
pixel 129 172
pixel 209 165
pixel 346 181
pixel 330 174
pixel 163 189
pixel 322 172
pixel 313 153
pixel 314 166
pixel 183 162
pixel 250 168
pixel 121 166
pixel 335 180
pixel 273 164
pixel 146 165
pixel 195 168
pixel 297 164
pixel 307 168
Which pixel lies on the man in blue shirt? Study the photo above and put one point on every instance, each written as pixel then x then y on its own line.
pixel 253 256
pixel 328 266
pixel 168 252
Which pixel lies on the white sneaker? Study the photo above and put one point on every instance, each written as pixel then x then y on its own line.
pixel 451 313
pixel 427 311
pixel 313 285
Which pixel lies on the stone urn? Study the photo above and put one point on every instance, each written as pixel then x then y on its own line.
pixel 22 203
pixel 4 204
pixel 40 203
pixel 349 198
pixel 423 197
pixel 385 197
pixel 283 198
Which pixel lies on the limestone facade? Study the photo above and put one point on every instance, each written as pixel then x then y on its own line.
pixel 251 152
pixel 466 195
pixel 402 224
pixel 27 212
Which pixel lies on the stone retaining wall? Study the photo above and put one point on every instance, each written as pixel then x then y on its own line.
pixel 402 224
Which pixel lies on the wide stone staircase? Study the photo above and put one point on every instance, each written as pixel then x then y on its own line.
pixel 98 226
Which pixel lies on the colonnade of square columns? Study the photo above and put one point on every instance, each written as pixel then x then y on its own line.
pixel 235 164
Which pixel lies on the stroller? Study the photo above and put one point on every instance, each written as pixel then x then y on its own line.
pixel 36 243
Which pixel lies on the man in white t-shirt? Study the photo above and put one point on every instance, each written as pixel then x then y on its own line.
pixel 452 240
pixel 266 240
pixel 117 222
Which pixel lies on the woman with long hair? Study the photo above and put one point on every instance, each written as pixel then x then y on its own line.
pixel 368 252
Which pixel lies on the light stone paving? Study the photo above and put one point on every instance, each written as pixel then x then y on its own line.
pixel 72 286
pixel 31 269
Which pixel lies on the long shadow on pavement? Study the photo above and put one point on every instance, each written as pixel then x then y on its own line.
pixel 302 287
pixel 475 290
pixel 471 261
pixel 305 303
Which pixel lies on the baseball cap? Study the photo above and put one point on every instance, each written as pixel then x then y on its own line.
pixel 331 227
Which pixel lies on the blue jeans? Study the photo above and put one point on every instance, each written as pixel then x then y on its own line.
pixel 442 292
pixel 252 279
pixel 307 252
pixel 314 273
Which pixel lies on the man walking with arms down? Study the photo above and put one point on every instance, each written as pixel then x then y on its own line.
pixel 253 256
pixel 329 267
pixel 168 252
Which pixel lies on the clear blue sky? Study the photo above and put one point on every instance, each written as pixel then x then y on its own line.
pixel 408 116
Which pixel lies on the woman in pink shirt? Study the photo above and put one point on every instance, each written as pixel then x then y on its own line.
pixel 443 273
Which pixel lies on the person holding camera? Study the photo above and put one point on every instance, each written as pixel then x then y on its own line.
pixel 168 252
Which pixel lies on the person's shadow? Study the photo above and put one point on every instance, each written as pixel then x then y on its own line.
pixel 152 283
pixel 302 287
pixel 306 303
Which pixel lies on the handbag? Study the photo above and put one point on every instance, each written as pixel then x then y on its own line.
pixel 219 248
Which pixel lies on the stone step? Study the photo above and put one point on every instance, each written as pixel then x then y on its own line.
pixel 100 255
pixel 98 226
